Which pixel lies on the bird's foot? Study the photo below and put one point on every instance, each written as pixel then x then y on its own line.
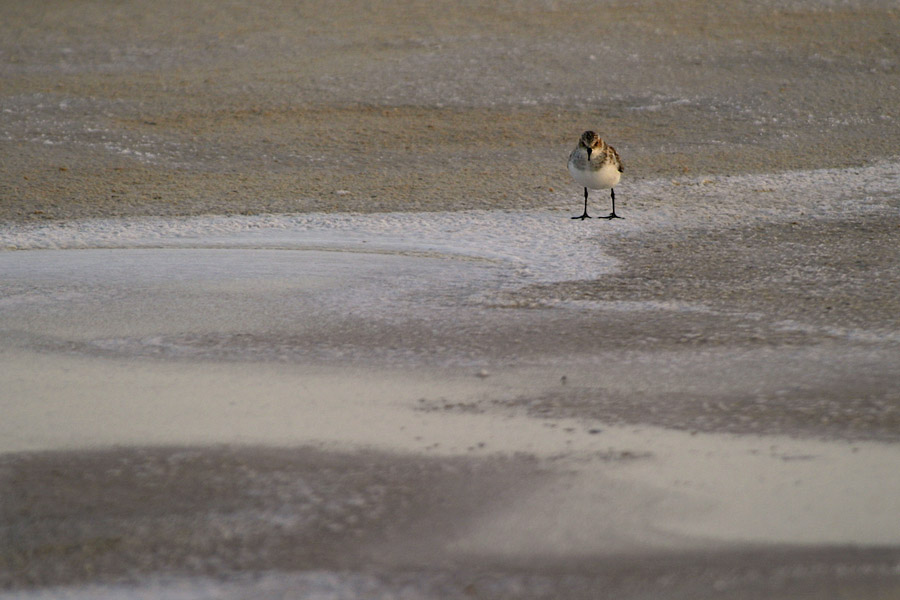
pixel 583 217
pixel 611 216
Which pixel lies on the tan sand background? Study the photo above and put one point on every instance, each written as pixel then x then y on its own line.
pixel 127 108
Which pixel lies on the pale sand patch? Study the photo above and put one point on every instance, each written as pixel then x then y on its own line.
pixel 620 489
pixel 693 491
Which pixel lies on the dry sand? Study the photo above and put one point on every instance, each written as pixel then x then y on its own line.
pixel 707 407
pixel 275 107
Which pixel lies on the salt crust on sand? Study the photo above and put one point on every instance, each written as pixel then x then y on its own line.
pixel 542 244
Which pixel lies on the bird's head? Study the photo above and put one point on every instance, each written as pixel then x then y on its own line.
pixel 590 140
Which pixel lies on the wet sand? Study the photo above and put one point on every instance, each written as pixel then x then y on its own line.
pixel 313 405
pixel 459 393
pixel 235 522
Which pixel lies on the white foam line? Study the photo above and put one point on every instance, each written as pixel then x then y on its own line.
pixel 541 245
pixel 741 199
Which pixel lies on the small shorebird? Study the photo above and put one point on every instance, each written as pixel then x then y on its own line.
pixel 596 165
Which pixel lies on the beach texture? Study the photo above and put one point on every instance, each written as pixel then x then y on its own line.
pixel 292 304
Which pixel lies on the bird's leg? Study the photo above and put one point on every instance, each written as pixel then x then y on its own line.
pixel 612 215
pixel 585 215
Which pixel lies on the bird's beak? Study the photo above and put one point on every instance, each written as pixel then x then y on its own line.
pixel 589 152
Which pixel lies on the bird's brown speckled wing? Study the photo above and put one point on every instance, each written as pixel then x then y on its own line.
pixel 615 157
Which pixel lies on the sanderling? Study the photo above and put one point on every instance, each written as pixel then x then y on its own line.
pixel 596 165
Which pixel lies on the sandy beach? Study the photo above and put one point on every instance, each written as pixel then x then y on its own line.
pixel 292 304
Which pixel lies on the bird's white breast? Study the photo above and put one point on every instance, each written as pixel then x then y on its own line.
pixel 606 176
